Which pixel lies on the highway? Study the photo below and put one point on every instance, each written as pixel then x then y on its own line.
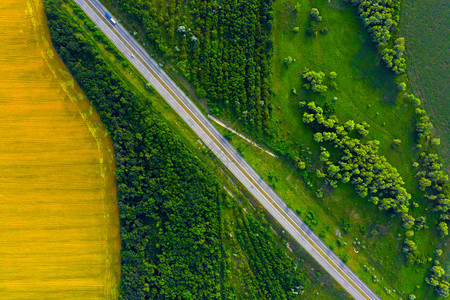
pixel 212 138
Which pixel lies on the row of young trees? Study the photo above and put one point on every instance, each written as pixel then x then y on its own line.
pixel 222 47
pixel 381 19
pixel 169 204
pixel 432 177
pixel 277 275
pixel 436 277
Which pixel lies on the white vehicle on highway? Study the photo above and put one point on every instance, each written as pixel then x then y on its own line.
pixel 108 16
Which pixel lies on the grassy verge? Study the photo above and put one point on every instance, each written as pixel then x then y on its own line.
pixel 381 256
pixel 231 213
pixel 366 91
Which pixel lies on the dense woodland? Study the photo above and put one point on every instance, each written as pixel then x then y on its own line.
pixel 222 47
pixel 176 240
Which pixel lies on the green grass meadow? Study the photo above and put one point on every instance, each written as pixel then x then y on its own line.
pixel 383 245
pixel 322 284
pixel 366 91
pixel 425 26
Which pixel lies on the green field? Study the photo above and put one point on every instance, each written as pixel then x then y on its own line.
pixel 238 252
pixel 425 26
pixel 366 92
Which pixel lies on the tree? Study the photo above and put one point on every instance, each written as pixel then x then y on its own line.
pixel 361 129
pixel 437 271
pixel 314 14
pixel 408 220
pixel 332 75
pixel 402 86
pixel 333 170
pixel 436 142
pixel 396 143
pixel 318 137
pixel 409 234
pixel 443 289
pixel 301 164
pixel 409 246
pixel 443 229
pixel 324 154
pixel 424 183
pixel 288 60
pixel 320 174
pixel 349 125
pixel 314 81
pixel 308 118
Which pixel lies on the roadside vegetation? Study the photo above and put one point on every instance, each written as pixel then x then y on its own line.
pixel 221 47
pixel 360 133
pixel 353 71
pixel 373 103
pixel 182 234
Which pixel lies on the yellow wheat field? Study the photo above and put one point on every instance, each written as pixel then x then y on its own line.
pixel 59 235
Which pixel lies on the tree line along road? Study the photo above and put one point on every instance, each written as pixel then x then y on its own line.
pixel 212 138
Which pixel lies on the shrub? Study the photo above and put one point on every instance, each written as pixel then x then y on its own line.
pixel 346 226
pixel 314 14
pixel 314 81
pixel 311 219
pixel 443 229
pixel 288 60
pixel 396 143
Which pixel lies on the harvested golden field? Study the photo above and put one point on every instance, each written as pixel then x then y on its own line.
pixel 59 235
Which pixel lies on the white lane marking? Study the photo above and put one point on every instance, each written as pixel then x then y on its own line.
pixel 247 176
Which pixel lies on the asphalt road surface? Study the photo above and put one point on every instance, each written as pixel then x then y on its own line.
pixel 212 138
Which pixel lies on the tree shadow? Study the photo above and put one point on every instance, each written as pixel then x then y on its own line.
pixel 371 69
